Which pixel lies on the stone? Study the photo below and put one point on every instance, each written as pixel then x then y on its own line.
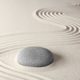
pixel 35 57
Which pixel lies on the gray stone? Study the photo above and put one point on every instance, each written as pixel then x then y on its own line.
pixel 35 57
